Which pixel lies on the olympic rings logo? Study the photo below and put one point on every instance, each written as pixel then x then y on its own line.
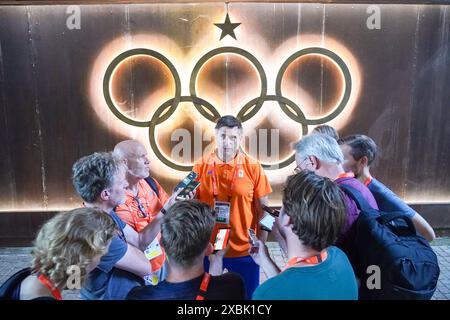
pixel 249 110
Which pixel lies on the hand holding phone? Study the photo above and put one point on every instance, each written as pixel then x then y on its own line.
pixel 187 185
pixel 269 219
pixel 188 189
pixel 252 237
pixel 253 241
pixel 222 238
pixel 272 212
pixel 186 181
pixel 220 248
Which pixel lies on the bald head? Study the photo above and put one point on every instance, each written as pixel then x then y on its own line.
pixel 134 155
pixel 127 148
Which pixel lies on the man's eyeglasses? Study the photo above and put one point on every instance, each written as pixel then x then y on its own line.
pixel 142 213
pixel 298 168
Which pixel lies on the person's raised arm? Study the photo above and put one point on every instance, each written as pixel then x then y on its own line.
pixel 142 239
pixel 423 227
pixel 134 261
pixel 260 254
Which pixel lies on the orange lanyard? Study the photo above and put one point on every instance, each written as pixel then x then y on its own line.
pixel 204 287
pixel 345 175
pixel 46 282
pixel 233 180
pixel 368 181
pixel 311 260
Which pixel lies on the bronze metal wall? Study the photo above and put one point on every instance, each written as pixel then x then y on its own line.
pixel 53 107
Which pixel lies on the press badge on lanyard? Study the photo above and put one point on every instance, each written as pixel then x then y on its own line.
pixel 153 250
pixel 151 279
pixel 223 208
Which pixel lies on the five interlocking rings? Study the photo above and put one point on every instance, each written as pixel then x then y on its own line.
pixel 291 109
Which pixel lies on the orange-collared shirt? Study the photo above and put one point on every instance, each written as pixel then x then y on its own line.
pixel 250 184
pixel 368 181
pixel 130 213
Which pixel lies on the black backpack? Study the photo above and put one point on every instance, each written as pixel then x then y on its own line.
pixel 8 287
pixel 408 265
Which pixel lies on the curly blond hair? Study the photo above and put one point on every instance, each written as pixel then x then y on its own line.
pixel 71 238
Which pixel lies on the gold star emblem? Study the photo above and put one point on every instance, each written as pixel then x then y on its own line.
pixel 227 28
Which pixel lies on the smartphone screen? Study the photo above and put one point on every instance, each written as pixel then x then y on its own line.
pixel 252 236
pixel 186 181
pixel 267 222
pixel 189 188
pixel 222 239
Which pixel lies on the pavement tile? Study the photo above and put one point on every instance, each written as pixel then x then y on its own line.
pixel 14 259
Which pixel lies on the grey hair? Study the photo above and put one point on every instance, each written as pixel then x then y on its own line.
pixel 94 173
pixel 323 147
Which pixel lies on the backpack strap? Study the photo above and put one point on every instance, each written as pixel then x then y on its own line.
pixel 8 287
pixel 384 218
pixel 356 196
pixel 152 183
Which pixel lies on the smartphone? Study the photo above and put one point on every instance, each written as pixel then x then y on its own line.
pixel 222 237
pixel 272 212
pixel 186 181
pixel 189 188
pixel 252 236
pixel 267 222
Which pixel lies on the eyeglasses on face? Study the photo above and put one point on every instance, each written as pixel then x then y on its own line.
pixel 298 168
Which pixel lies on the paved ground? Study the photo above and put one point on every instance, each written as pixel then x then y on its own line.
pixel 14 259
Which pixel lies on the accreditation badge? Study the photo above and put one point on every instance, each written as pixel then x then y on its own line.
pixel 223 210
pixel 153 250
pixel 151 279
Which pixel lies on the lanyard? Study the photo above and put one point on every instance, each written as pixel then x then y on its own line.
pixel 204 287
pixel 345 175
pixel 311 260
pixel 233 180
pixel 46 282
pixel 368 181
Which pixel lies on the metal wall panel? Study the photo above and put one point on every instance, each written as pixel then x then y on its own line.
pixel 48 116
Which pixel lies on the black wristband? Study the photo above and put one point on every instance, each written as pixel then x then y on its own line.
pixel 163 211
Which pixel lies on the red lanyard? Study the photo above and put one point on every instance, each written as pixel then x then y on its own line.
pixel 311 260
pixel 233 180
pixel 204 287
pixel 345 175
pixel 46 282
pixel 368 181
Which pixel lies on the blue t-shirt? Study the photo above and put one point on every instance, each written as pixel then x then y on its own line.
pixel 332 279
pixel 387 200
pixel 105 276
